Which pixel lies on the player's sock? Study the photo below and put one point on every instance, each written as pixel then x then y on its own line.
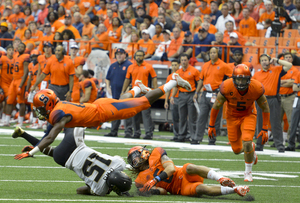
pixel 284 137
pixel 269 133
pixel 168 86
pixel 20 119
pixel 248 166
pixel 13 113
pixel 135 91
pixel 213 175
pixel 3 117
pixel 32 140
pixel 7 118
pixel 227 190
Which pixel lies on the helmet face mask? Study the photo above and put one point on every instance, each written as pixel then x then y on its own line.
pixel 241 77
pixel 241 83
pixel 44 102
pixel 137 156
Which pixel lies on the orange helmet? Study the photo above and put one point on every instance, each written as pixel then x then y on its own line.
pixel 44 102
pixel 241 76
pixel 137 156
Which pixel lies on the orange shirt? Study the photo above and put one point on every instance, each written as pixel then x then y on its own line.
pixel 37 35
pixel 153 9
pixel 81 8
pixel 107 22
pixel 44 39
pixel 13 18
pixel 168 79
pixel 89 83
pixel 241 40
pixel 291 74
pixel 7 69
pixel 33 70
pixel 87 30
pixel 212 29
pixel 158 39
pixel 42 60
pixel 248 27
pixel 266 16
pixel 297 82
pixel 20 33
pixel 131 49
pixel 181 34
pixel 28 19
pixel 114 36
pixel 84 49
pixel 205 11
pixel 56 25
pixel 72 28
pixel 88 3
pixel 174 46
pixel 19 66
pixel 68 5
pixel 191 74
pixel 103 42
pixel 238 105
pixel 59 70
pixel 142 72
pixel 29 41
pixel 102 14
pixel 148 47
pixel 213 74
pixel 270 79
pixel 172 184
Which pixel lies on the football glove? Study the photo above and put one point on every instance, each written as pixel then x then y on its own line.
pixel 211 131
pixel 265 136
pixel 149 185
pixel 22 156
pixel 27 148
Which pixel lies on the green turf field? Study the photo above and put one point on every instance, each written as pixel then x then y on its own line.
pixel 40 179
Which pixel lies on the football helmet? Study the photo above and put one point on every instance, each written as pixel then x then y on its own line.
pixel 44 102
pixel 119 182
pixel 137 156
pixel 241 76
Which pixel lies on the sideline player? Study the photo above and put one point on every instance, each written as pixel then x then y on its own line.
pixel 241 92
pixel 156 174
pixel 100 172
pixel 63 114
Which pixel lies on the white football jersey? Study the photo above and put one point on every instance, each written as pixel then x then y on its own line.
pixel 92 166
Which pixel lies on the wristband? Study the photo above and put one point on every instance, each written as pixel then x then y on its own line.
pixel 35 150
pixel 211 126
pixel 70 91
pixel 162 176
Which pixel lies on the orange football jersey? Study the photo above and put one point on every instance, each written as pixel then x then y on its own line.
pixel 33 70
pixel 238 105
pixel 7 69
pixel 90 83
pixel 19 66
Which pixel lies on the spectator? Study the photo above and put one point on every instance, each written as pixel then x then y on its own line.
pixel 85 47
pixel 114 32
pixel 52 18
pixel 203 38
pixel 158 37
pixel 57 36
pixel 173 102
pixel 68 37
pixel 61 14
pixel 167 21
pixel 230 7
pixel 248 25
pixel 95 20
pixel 27 40
pixel 61 70
pixel 215 13
pixel 141 70
pixel 54 4
pixel 47 36
pixel 44 12
pixel 108 21
pixel 233 42
pixel 237 10
pixel 87 26
pixel 77 22
pixel 21 29
pixel 204 8
pixel 129 15
pixel 102 12
pixel 13 18
pixel 7 11
pixel 175 44
pixel 114 8
pixel 259 7
pixel 133 47
pixel 268 14
pixel 212 74
pixel 270 77
pixel 288 6
pixel 140 12
pixel 136 4
pixel 126 37
pixel 176 6
pixel 5 35
pixel 143 26
pixel 220 25
pixel 197 13
pixel 36 34
pixel 123 6
pixel 186 107
pixel 163 46
pixel 67 5
pixel 296 14
pixel 89 6
pixel 28 17
pixel 183 49
pixel 177 17
pixel 219 41
pixel 184 5
pixel 229 29
pixel 69 26
pixel 35 10
pixel 211 28
pixel 238 58
pixel 146 44
pixel 150 26
pixel 153 9
pixel 196 24
pixel 11 29
pixel 286 92
pixel 188 16
pixel 252 13
pixel 162 19
pixel 114 82
pixel 100 37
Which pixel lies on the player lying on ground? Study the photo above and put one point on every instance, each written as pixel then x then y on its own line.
pixel 100 172
pixel 241 92
pixel 156 174
pixel 63 114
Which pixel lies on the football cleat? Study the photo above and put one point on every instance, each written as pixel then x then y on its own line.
pixel 27 148
pixel 254 154
pixel 4 124
pixel 248 177
pixel 18 132
pixel 227 182
pixel 181 82
pixel 144 89
pixel 242 190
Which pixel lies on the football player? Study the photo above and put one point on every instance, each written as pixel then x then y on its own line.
pixel 241 92
pixel 156 174
pixel 101 173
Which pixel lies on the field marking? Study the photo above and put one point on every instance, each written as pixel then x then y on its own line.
pixel 155 143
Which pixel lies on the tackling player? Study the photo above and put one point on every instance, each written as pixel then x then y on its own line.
pixel 101 173
pixel 241 92
pixel 156 174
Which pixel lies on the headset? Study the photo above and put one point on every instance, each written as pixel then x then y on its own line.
pixel 139 51
pixel 269 57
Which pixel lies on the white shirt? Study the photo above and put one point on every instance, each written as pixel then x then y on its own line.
pixel 151 30
pixel 161 48
pixel 220 25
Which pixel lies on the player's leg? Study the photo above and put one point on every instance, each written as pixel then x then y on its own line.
pixel 21 102
pixel 203 189
pixel 12 95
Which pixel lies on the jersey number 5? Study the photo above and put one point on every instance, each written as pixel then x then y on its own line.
pixel 88 170
pixel 240 106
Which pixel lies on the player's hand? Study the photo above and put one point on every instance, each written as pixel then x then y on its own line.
pixel 166 105
pixel 26 94
pixel 195 97
pixel 265 136
pixel 68 96
pixel 22 156
pixel 149 185
pixel 27 148
pixel 211 131
pixel 19 91
pixel 32 88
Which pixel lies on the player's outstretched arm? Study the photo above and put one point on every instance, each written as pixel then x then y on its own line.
pixel 214 113
pixel 263 104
